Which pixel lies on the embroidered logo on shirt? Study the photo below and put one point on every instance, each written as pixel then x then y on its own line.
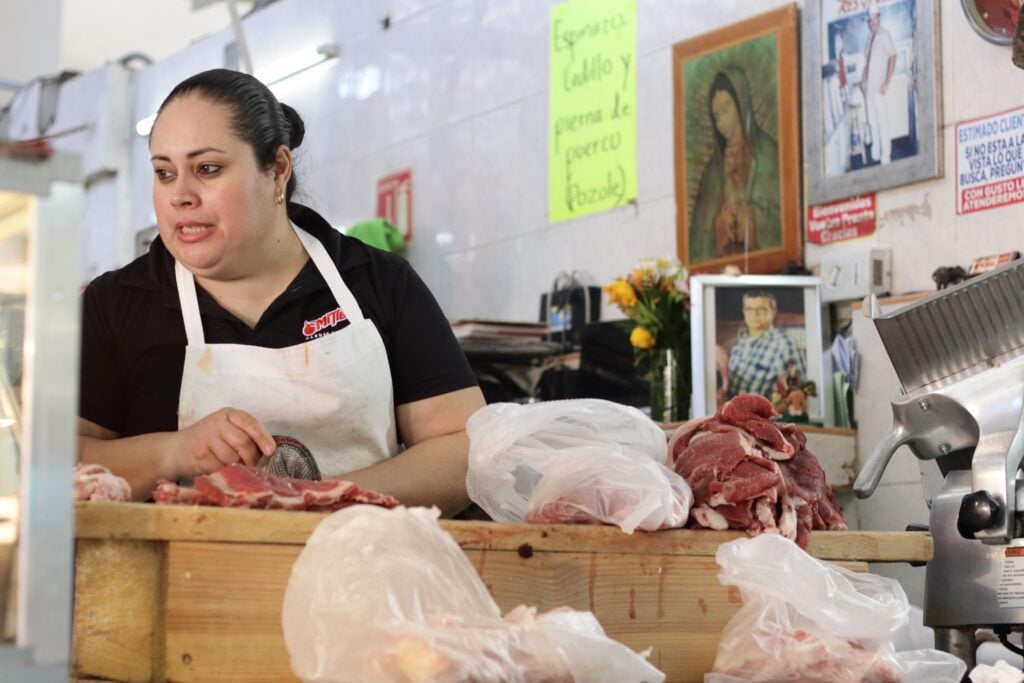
pixel 327 320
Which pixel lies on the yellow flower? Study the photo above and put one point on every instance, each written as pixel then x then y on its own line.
pixel 641 338
pixel 621 293
pixel 640 277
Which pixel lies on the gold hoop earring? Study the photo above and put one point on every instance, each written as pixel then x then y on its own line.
pixel 280 198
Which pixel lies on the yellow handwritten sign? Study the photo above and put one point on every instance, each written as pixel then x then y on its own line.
pixel 592 143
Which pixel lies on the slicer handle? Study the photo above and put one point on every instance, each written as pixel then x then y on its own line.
pixel 874 468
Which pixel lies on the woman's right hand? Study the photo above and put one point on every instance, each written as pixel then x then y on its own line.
pixel 223 438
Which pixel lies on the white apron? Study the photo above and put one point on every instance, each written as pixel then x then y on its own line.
pixel 332 393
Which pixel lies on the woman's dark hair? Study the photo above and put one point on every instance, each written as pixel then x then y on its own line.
pixel 256 116
pixel 724 83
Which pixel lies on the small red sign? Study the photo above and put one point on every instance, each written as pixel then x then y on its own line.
pixel 992 195
pixel 394 201
pixel 984 264
pixel 839 221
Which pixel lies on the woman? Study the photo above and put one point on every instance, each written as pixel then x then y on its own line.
pixel 736 209
pixel 250 317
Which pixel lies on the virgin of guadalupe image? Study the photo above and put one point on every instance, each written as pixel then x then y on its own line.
pixel 736 209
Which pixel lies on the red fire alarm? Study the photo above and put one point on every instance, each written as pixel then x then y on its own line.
pixel 394 201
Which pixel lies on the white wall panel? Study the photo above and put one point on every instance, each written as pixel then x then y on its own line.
pixel 655 143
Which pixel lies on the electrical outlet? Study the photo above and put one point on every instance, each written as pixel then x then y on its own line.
pixel 855 273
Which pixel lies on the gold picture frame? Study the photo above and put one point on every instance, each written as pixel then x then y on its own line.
pixel 737 146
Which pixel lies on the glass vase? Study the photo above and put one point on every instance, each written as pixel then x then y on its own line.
pixel 670 385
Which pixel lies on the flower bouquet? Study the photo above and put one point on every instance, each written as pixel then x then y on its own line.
pixel 655 296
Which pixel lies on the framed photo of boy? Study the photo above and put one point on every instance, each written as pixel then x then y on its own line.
pixel 737 145
pixel 872 105
pixel 758 334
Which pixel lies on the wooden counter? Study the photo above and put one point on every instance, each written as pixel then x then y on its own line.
pixel 174 593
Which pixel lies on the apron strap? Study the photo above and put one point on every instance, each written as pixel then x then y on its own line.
pixel 329 272
pixel 189 301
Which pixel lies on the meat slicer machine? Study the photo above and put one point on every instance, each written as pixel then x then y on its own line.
pixel 959 356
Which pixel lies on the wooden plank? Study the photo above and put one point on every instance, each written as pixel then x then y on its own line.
pixel 119 596
pixel 176 522
pixel 832 431
pixel 8 590
pixel 147 521
pixel 673 604
pixel 223 618
pixel 224 612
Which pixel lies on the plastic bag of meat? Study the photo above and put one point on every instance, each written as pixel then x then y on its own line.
pixel 807 620
pixel 631 493
pixel 387 596
pixel 576 461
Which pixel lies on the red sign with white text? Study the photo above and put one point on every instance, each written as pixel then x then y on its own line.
pixel 394 201
pixel 839 221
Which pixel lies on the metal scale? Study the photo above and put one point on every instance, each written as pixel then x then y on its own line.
pixel 959 356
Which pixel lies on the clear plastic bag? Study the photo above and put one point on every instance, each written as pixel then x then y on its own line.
pixel 604 487
pixel 611 448
pixel 387 596
pixel 808 620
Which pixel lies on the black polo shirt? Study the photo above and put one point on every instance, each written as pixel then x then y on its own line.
pixel 133 336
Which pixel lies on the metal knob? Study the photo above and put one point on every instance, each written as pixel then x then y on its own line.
pixel 978 511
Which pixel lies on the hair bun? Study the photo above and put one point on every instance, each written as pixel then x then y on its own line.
pixel 296 128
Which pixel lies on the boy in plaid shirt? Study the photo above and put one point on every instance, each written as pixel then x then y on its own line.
pixel 761 353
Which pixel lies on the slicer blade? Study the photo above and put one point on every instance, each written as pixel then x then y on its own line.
pixel 956 332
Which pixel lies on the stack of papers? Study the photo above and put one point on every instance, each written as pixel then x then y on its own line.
pixel 499 329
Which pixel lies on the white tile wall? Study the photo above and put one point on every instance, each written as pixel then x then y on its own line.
pixel 655 143
pixel 512 49
pixel 660 23
pixel 455 30
pixel 99 211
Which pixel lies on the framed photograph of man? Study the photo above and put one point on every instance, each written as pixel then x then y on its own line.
pixel 872 106
pixel 758 334
pixel 737 145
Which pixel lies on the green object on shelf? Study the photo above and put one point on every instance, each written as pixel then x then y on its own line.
pixel 378 233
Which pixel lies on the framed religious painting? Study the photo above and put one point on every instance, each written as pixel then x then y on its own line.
pixel 737 146
pixel 758 334
pixel 872 105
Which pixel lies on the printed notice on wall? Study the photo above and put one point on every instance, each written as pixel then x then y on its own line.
pixel 592 142
pixel 1010 591
pixel 990 162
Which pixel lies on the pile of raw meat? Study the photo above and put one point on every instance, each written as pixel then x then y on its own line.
pixel 753 474
pixel 96 482
pixel 247 487
pixel 808 658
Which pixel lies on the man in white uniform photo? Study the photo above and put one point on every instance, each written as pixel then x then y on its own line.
pixel 875 82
